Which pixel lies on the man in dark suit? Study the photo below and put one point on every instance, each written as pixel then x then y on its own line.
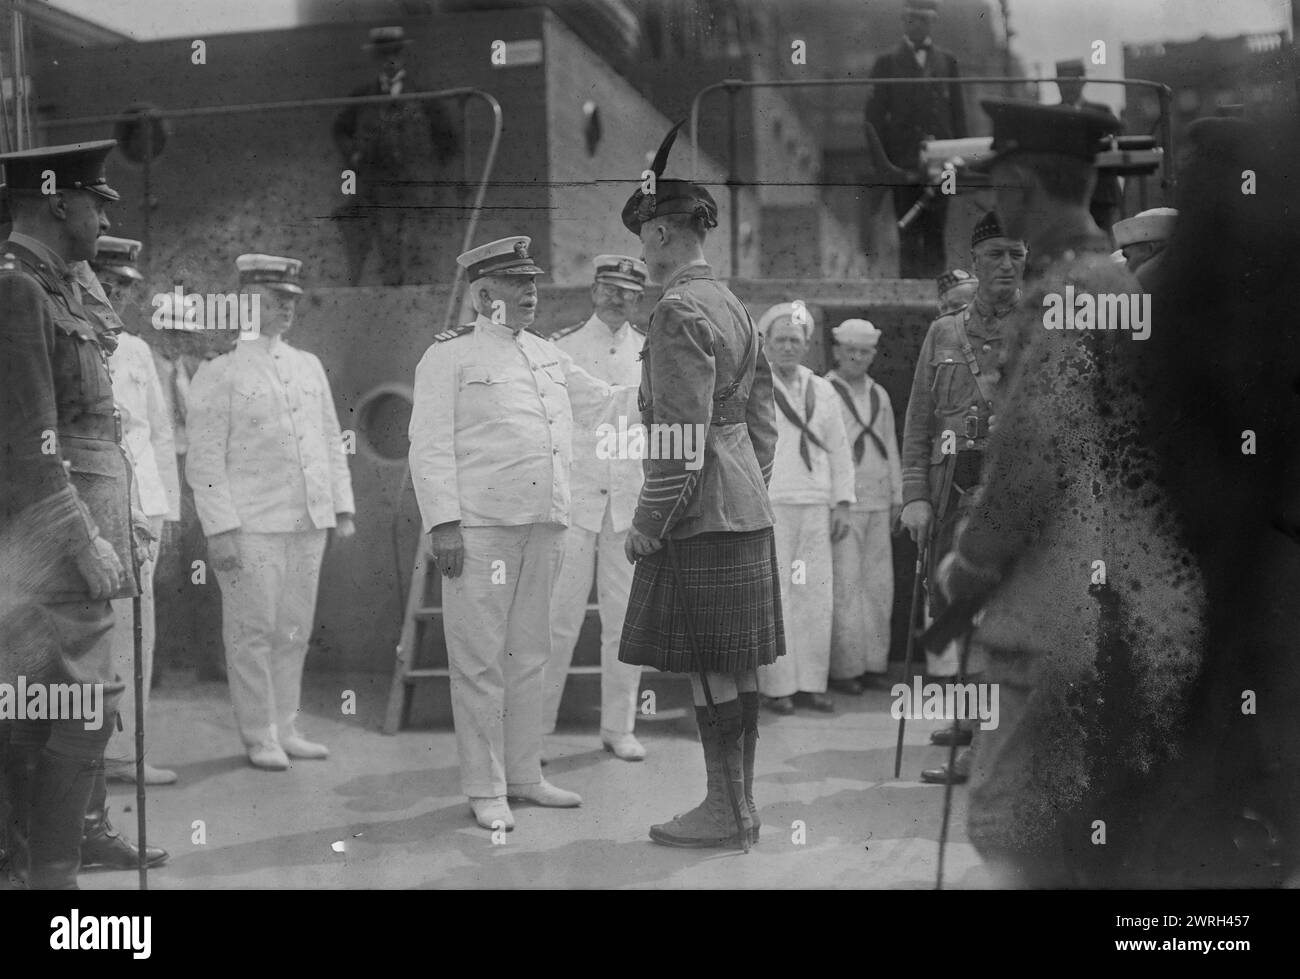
pixel 1107 198
pixel 903 116
pixel 399 151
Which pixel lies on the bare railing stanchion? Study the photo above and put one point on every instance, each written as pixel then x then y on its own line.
pixel 733 180
pixel 146 207
pixel 468 241
pixel 1163 92
pixel 463 93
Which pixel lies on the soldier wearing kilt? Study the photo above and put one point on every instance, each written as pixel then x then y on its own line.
pixel 705 381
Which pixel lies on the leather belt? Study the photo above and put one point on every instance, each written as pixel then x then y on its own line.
pixel 96 428
pixel 968 465
pixel 730 412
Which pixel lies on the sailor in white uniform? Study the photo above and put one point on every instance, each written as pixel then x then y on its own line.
pixel 604 491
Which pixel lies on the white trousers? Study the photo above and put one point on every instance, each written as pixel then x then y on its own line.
pixel 864 596
pixel 267 608
pixel 120 752
pixel 496 621
pixel 803 553
pixel 586 555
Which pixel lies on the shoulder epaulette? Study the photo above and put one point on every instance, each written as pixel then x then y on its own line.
pixel 562 333
pixel 454 332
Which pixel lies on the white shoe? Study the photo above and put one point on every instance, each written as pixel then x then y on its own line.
pixel 624 746
pixel 489 812
pixel 296 746
pixel 268 755
pixel 545 794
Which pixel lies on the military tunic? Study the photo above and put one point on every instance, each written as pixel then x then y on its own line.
pixel 946 429
pixel 704 368
pixel 64 478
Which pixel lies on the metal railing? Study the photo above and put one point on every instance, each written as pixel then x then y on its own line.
pixel 147 118
pixel 734 86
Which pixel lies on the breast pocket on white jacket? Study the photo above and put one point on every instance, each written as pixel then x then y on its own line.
pixel 253 405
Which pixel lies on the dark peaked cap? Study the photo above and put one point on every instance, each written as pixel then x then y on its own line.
pixel 671 196
pixel 76 166
pixel 1027 127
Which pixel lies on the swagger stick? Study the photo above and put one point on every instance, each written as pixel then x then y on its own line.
pixel 704 680
pixel 137 639
pixel 137 644
pixel 917 582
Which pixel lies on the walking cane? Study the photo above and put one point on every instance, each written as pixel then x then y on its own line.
pixel 952 761
pixel 137 643
pixel 917 580
pixel 704 681
pixel 137 638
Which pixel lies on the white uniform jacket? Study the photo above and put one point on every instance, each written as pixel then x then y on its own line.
pixel 265 451
pixel 596 483
pixel 146 427
pixel 492 426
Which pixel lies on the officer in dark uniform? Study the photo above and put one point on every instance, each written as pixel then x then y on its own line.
pixel 954 395
pixel 704 370
pixel 1091 607
pixel 64 500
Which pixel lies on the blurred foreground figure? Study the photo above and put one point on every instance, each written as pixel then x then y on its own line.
pixel 1107 197
pixel 1223 369
pixel 1142 239
pixel 1092 608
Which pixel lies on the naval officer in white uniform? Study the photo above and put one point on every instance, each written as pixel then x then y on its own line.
pixel 491 432
pixel 604 497
pixel 270 479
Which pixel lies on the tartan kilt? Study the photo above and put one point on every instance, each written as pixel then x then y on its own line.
pixel 733 587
